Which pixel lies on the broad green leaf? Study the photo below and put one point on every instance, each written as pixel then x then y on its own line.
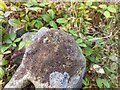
pixel 38 24
pixel 27 18
pixel 1 72
pixel 94 39
pixel 89 3
pixel 2 5
pixel 4 48
pixel 82 45
pixel 3 62
pixel 88 51
pixel 46 18
pixel 17 40
pixel 7 13
pixel 12 36
pixel 112 9
pixel 44 3
pixel 1 82
pixel 14 45
pixel 53 24
pixel 106 83
pixel 14 22
pixel 51 13
pixel 8 41
pixel 79 41
pixel 103 6
pixel 33 23
pixel 34 8
pixel 7 52
pixel 95 7
pixel 61 20
pixel 1 57
pixel 73 32
pixel 22 14
pixel 107 14
pixel 21 45
pixel 99 82
pixel 1 21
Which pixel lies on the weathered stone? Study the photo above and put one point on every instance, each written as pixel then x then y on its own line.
pixel 53 60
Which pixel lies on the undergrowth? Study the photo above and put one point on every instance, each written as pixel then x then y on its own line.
pixel 94 26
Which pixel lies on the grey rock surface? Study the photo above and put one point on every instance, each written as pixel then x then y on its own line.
pixel 53 60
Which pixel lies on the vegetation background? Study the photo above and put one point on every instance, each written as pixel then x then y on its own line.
pixel 94 25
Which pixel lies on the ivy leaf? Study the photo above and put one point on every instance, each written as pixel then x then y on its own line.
pixel 46 18
pixel 53 24
pixel 14 22
pixel 61 20
pixel 106 83
pixel 107 14
pixel 3 62
pixel 12 36
pixel 99 82
pixel 1 72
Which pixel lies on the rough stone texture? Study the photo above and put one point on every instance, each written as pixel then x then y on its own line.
pixel 53 60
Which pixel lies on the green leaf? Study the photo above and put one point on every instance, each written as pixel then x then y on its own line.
pixel 99 82
pixel 14 45
pixel 1 57
pixel 7 52
pixel 38 24
pixel 21 45
pixel 61 20
pixel 14 22
pixel 94 39
pixel 44 3
pixel 53 24
pixel 88 51
pixel 94 7
pixel 112 9
pixel 3 62
pixel 2 73
pixel 8 41
pixel 6 36
pixel 17 40
pixel 82 45
pixel 73 32
pixel 34 8
pixel 51 13
pixel 106 83
pixel 107 14
pixel 2 5
pixel 27 18
pixel 7 13
pixel 89 3
pixel 12 36
pixel 79 41
pixel 46 18
pixel 103 6
pixel 4 48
